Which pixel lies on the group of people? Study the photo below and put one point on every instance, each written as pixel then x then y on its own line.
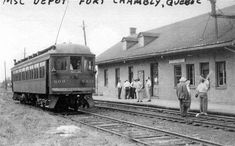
pixel 184 95
pixel 134 89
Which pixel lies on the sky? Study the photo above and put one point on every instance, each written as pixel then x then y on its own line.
pixel 34 27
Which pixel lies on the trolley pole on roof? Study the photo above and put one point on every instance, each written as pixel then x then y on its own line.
pixel 5 75
pixel 61 22
pixel 84 32
pixel 24 52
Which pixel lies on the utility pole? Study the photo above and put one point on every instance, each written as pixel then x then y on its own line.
pixel 84 32
pixel 5 75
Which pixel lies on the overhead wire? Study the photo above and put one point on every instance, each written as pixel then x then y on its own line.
pixel 206 27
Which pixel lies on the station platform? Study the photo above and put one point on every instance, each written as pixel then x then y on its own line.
pixel 215 108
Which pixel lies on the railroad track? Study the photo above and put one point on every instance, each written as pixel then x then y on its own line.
pixel 211 121
pixel 139 133
pixel 136 132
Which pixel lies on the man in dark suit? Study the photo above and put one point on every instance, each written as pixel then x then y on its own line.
pixel 183 96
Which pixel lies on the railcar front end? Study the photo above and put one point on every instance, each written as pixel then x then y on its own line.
pixel 71 80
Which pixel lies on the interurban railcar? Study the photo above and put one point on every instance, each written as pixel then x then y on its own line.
pixel 58 77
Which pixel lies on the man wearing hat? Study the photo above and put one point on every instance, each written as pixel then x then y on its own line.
pixel 183 96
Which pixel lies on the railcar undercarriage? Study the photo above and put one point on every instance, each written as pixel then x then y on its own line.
pixel 58 102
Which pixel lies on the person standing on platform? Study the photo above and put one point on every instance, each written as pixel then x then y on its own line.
pixel 139 87
pixel 147 88
pixel 188 101
pixel 127 89
pixel 119 86
pixel 156 89
pixel 132 90
pixel 202 90
pixel 183 96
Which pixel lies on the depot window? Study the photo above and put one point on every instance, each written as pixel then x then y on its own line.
pixel 190 73
pixel 75 63
pixel 177 73
pixel 60 63
pixel 106 77
pixel 220 73
pixel 204 68
pixel 117 75
pixel 130 73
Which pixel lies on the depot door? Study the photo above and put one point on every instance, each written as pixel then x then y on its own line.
pixel 154 79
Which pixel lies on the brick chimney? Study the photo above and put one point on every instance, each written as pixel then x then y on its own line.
pixel 132 30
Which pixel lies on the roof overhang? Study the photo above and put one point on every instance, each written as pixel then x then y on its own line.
pixel 170 52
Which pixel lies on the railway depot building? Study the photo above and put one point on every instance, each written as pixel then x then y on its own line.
pixel 187 48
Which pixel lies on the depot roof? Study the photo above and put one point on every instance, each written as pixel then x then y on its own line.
pixel 191 34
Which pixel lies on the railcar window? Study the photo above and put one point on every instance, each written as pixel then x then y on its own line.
pixel 60 63
pixel 27 73
pixel 23 73
pixel 20 74
pixel 16 75
pixel 31 72
pixel 88 64
pixel 75 63
pixel 41 69
pixel 36 71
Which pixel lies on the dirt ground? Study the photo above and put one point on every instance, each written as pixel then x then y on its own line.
pixel 22 125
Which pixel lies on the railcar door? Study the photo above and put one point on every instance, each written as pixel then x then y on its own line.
pixel 47 77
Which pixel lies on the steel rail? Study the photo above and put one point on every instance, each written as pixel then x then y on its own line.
pixel 169 118
pixel 109 131
pixel 162 109
pixel 150 128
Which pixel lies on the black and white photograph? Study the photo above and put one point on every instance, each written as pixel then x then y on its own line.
pixel 117 73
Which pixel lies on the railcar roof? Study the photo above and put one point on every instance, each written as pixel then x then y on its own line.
pixel 65 48
pixel 70 49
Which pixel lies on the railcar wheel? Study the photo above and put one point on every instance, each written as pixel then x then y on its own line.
pixel 22 99
pixel 75 104
pixel 75 108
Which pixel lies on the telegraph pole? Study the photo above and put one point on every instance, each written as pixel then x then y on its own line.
pixel 5 75
pixel 84 32
pixel 214 14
